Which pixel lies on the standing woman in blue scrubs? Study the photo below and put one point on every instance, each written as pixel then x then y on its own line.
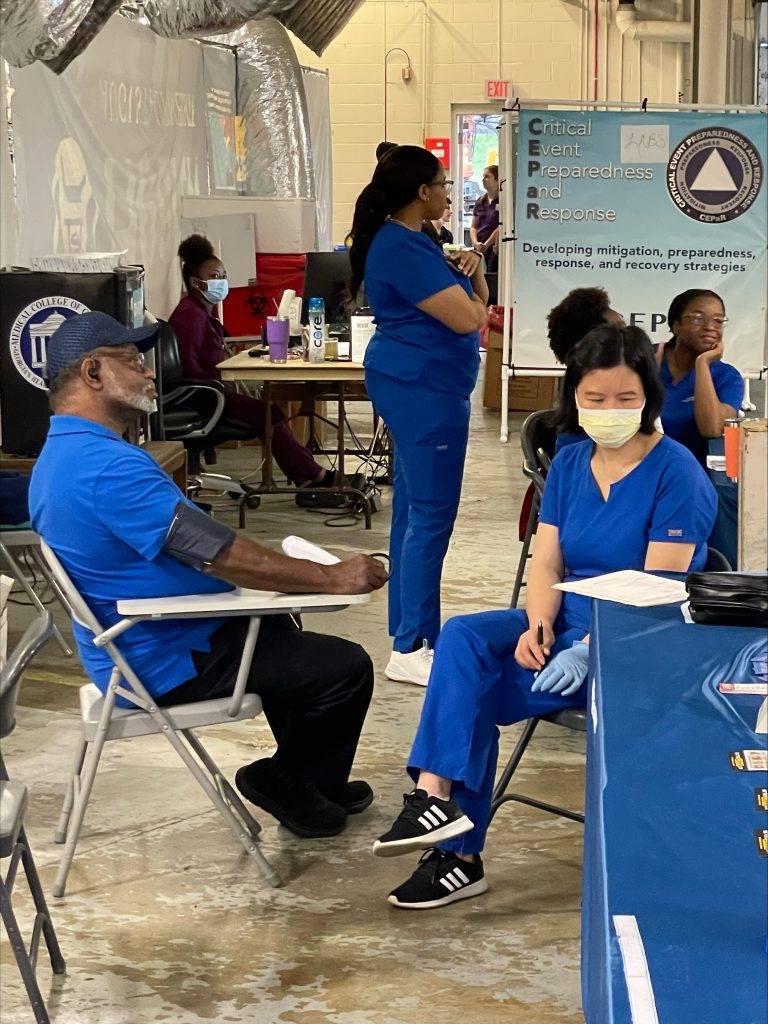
pixel 701 392
pixel 421 366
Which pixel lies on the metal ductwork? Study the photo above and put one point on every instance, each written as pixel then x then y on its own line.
pixel 631 25
pixel 57 31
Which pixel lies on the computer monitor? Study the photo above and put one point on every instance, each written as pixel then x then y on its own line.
pixel 327 277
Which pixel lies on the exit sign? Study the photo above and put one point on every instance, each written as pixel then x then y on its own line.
pixel 497 89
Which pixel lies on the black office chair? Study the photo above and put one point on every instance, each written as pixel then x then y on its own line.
pixel 716 561
pixel 537 439
pixel 192 411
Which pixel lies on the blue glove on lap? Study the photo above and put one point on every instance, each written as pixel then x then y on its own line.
pixel 565 673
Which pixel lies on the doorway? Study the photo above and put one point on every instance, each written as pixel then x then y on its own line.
pixel 476 131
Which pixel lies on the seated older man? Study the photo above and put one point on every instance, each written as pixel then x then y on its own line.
pixel 122 528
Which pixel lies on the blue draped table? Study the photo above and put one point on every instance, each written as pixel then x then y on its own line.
pixel 670 835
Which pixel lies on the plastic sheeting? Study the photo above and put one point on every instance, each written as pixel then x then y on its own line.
pixel 277 150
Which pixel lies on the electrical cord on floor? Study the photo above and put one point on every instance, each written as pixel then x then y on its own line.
pixel 32 579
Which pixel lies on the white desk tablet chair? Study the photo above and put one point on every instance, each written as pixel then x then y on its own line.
pixel 103 721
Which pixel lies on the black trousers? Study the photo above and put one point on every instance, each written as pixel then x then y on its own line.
pixel 315 690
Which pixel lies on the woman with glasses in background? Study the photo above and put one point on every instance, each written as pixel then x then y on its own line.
pixel 701 391
pixel 420 368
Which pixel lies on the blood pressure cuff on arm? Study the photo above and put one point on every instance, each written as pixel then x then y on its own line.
pixel 194 538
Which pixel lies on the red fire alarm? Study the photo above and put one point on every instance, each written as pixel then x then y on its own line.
pixel 441 148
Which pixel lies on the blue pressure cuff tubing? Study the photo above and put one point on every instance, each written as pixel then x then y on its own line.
pixel 194 538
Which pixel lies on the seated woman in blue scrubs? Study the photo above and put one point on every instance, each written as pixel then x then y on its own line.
pixel 626 498
pixel 701 391
pixel 420 368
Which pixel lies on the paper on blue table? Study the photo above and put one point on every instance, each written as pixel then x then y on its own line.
pixel 639 589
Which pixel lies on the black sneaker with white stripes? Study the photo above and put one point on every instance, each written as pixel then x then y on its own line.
pixel 423 822
pixel 440 878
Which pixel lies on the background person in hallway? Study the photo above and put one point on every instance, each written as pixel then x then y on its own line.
pixel 201 336
pixel 701 391
pixel 421 367
pixel 123 529
pixel 627 498
pixel 484 230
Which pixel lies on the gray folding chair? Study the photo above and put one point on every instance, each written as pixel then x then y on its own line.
pixel 103 721
pixel 27 542
pixel 13 839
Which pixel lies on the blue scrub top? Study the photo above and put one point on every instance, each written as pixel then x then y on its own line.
pixel 667 497
pixel 104 506
pixel 403 268
pixel 677 413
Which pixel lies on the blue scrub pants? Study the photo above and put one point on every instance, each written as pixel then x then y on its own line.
pixel 476 685
pixel 430 431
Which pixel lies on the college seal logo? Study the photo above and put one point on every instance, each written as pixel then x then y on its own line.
pixel 31 331
pixel 714 175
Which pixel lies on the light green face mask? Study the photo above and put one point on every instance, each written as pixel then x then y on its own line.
pixel 610 428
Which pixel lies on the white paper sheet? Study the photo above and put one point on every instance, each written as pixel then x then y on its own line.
pixel 640 589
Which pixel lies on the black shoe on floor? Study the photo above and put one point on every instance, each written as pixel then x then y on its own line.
pixel 296 803
pixel 424 821
pixel 355 797
pixel 440 878
pixel 319 495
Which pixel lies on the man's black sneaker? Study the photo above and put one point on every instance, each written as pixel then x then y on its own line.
pixel 424 821
pixel 296 803
pixel 440 878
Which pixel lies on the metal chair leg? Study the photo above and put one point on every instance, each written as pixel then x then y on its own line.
pixel 520 747
pixel 500 796
pixel 530 530
pixel 82 794
pixel 60 836
pixel 22 581
pixel 22 958
pixel 43 921
pixel 221 800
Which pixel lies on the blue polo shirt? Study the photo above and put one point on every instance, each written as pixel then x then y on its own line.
pixel 677 413
pixel 104 506
pixel 403 268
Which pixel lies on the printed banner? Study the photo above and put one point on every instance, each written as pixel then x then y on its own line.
pixel 645 205
pixel 107 149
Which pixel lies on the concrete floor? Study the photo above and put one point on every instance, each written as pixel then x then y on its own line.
pixel 166 920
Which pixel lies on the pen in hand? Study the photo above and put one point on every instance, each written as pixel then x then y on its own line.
pixel 539 632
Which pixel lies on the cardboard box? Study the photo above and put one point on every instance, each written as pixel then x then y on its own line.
pixel 526 394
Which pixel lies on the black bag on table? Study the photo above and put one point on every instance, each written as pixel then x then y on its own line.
pixel 728 598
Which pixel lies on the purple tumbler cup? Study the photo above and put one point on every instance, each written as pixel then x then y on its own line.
pixel 278 336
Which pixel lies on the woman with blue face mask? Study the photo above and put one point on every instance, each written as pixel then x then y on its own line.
pixel 201 336
pixel 627 497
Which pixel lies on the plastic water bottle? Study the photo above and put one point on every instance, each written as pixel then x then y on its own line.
pixel 316 310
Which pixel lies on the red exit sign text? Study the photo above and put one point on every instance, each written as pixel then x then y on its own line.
pixel 497 89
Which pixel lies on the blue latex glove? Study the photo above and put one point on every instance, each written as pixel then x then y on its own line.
pixel 565 673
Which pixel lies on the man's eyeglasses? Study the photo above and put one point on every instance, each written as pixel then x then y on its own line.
pixel 699 319
pixel 136 360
